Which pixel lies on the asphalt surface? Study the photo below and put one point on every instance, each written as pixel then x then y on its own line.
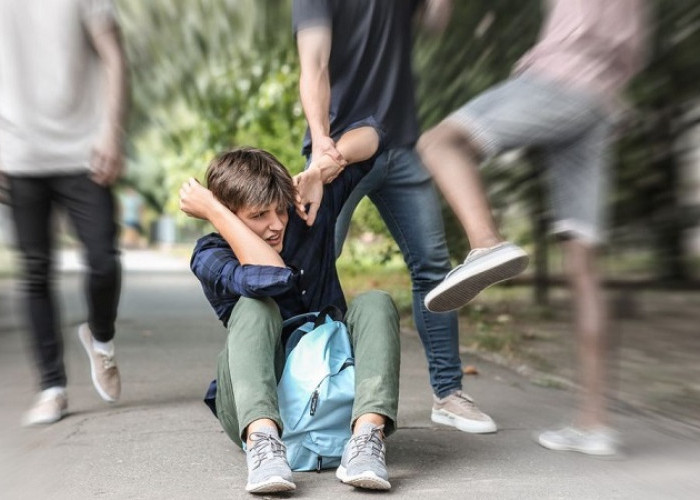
pixel 161 442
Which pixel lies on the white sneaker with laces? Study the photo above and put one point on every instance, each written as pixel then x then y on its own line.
pixel 103 367
pixel 482 268
pixel 459 410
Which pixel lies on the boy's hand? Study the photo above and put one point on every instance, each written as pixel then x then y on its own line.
pixel 309 186
pixel 196 200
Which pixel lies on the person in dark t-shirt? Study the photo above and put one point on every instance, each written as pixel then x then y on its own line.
pixel 355 61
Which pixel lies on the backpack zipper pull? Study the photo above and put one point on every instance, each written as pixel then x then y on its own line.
pixel 319 463
pixel 314 402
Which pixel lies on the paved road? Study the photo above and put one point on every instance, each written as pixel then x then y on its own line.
pixel 161 442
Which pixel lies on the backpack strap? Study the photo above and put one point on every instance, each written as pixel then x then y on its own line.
pixel 332 312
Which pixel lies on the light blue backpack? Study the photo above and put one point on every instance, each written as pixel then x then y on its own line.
pixel 316 391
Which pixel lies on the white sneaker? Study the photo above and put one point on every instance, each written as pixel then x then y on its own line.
pixel 50 406
pixel 600 441
pixel 482 268
pixel 460 411
pixel 103 367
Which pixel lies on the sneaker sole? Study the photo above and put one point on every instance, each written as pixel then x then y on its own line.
pixel 86 345
pixel 459 289
pixel 470 426
pixel 36 423
pixel 275 484
pixel 562 447
pixel 367 480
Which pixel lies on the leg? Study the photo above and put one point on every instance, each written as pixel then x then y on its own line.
pixel 249 367
pixel 373 322
pixel 589 317
pixel 421 237
pixel 92 211
pixel 31 213
pixel 246 400
pixel 369 183
pixel 453 161
pixel 589 433
pixel 578 172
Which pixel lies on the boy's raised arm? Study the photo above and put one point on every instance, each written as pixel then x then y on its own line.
pixel 197 201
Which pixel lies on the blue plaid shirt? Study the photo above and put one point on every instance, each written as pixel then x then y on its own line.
pixel 310 280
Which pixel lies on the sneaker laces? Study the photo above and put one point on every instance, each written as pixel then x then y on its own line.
pixel 108 362
pixel 266 447
pixel 367 443
pixel 473 254
pixel 463 399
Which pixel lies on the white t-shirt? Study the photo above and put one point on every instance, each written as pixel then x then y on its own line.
pixel 51 99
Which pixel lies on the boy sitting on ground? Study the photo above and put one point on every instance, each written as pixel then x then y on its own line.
pixel 266 265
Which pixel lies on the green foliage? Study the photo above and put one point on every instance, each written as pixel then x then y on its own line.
pixel 207 77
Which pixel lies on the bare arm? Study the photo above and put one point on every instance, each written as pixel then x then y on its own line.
pixel 197 201
pixel 108 155
pixel 314 47
pixel 355 145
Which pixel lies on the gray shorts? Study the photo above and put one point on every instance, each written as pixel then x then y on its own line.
pixel 571 128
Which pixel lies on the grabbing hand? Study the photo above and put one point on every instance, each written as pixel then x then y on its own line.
pixel 326 146
pixel 309 187
pixel 196 200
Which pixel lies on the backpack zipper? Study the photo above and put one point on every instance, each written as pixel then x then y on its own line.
pixel 315 394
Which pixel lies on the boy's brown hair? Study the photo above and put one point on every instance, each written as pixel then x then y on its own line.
pixel 249 177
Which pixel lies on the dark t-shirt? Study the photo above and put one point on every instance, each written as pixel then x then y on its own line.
pixel 370 63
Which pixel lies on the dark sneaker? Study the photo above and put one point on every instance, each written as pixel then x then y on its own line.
pixel 482 268
pixel 460 411
pixel 600 441
pixel 50 406
pixel 103 367
pixel 268 469
pixel 363 464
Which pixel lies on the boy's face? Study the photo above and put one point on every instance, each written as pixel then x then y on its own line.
pixel 268 222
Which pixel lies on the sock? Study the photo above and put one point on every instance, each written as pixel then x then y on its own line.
pixel 106 348
pixel 53 392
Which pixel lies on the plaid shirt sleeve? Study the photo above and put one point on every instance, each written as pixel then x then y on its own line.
pixel 224 277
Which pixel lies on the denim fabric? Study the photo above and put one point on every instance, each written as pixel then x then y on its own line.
pixel 91 209
pixel 573 130
pixel 405 196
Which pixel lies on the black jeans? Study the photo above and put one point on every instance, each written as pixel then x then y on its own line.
pixel 91 209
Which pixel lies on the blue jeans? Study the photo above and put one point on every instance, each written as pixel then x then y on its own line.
pixel 403 192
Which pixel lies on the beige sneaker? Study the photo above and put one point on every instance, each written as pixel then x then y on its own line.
pixel 460 411
pixel 50 406
pixel 103 367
